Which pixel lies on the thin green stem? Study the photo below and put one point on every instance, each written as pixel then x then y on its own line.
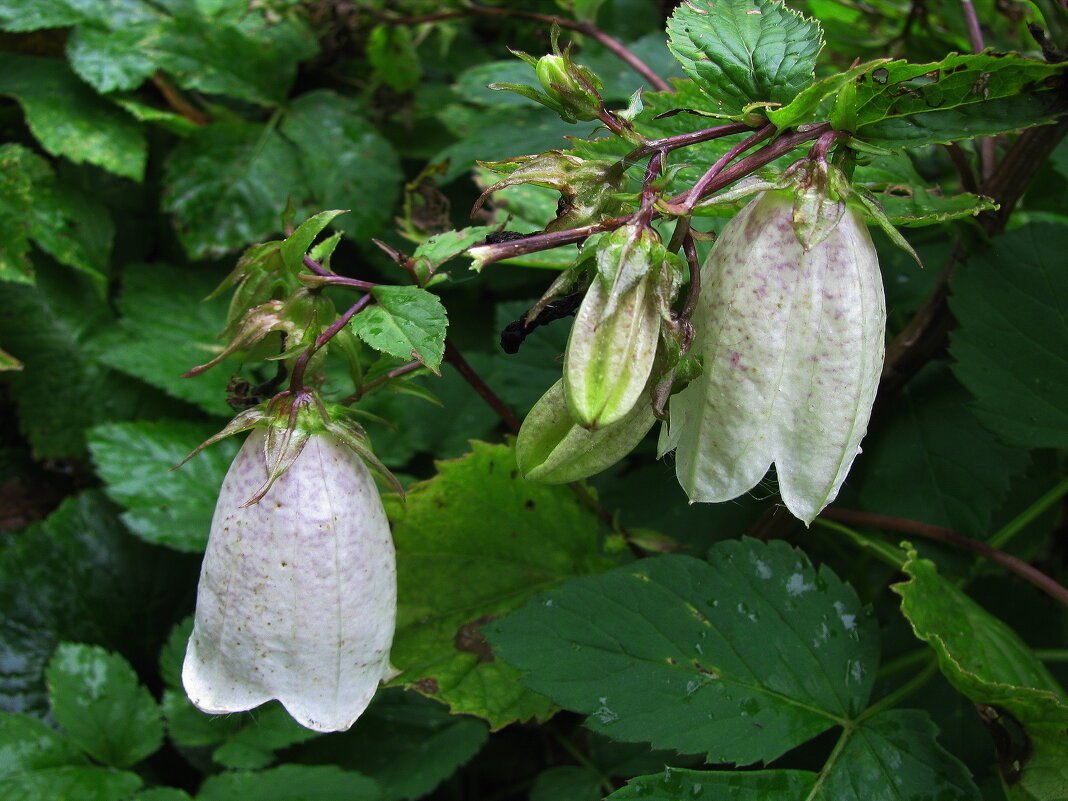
pixel 889 554
pixel 1052 654
pixel 1030 513
pixel 903 661
pixel 902 692
pixel 832 760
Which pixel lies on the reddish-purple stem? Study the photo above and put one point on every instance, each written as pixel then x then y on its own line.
pixel 698 188
pixel 456 359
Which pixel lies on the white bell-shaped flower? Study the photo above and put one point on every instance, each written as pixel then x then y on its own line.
pixel 297 598
pixel 791 336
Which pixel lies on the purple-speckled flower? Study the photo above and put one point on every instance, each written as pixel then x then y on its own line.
pixel 297 598
pixel 791 334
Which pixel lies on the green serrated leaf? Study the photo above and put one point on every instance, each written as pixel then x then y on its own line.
pixel 38 763
pixel 227 185
pixel 751 653
pixel 703 785
pixel 568 783
pixel 472 544
pixel 805 106
pixel 63 389
pixel 1011 345
pixel 957 472
pixel 407 743
pixel 69 119
pixel 392 54
pixel 899 104
pixel 297 243
pixel 256 61
pixel 80 575
pixel 498 133
pixel 98 701
pixel 116 56
pixel 1024 707
pixel 894 756
pixel 290 783
pixel 345 162
pixel 168 326
pixel 164 506
pixel 407 322
pixel 745 51
pixel 439 248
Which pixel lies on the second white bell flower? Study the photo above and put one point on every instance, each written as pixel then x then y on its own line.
pixel 791 338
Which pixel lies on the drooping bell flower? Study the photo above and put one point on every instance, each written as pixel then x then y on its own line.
pixel 297 596
pixel 790 326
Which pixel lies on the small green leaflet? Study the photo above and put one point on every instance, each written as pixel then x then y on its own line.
pixel 98 701
pixel 745 51
pixel 439 248
pixel 1019 701
pixel 750 654
pixel 297 243
pixel 1011 347
pixel 907 199
pixel 474 543
pixel 40 763
pixel 71 120
pixel 407 322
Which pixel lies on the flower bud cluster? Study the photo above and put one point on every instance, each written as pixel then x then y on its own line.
pixel 601 409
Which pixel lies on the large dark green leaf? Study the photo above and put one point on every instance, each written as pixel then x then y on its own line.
pixel 955 471
pixel 69 119
pixel 228 184
pixel 1011 347
pixel 290 783
pixel 745 51
pixel 64 389
pixel 743 657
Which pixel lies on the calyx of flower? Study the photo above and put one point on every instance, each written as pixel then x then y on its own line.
pixel 790 326
pixel 297 593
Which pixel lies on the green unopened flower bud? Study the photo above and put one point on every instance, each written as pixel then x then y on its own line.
pixel 612 345
pixel 552 449
pixel 571 87
pixel 792 341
